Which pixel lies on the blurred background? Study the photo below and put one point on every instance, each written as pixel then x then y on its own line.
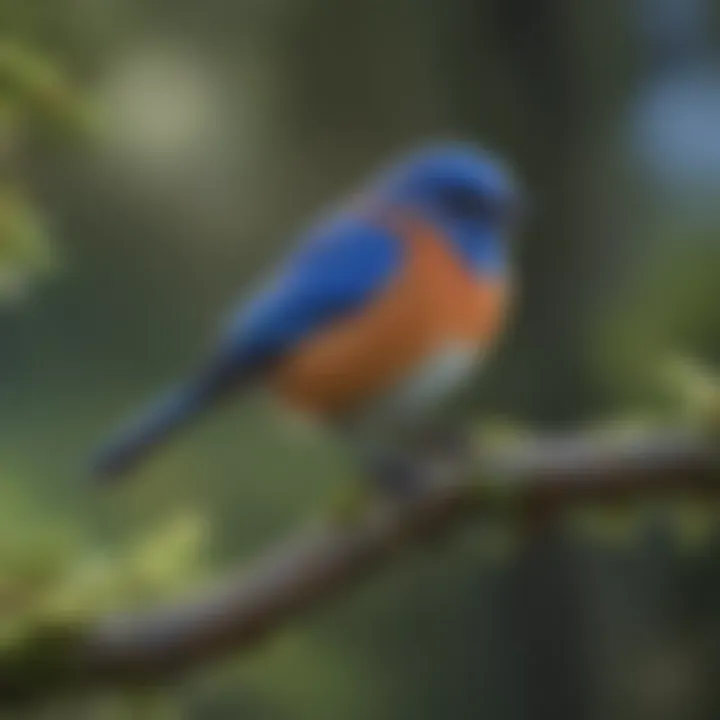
pixel 155 156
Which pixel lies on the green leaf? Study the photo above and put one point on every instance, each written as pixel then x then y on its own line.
pixel 26 253
pixel 38 85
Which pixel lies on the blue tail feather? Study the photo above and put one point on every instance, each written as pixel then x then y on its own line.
pixel 151 430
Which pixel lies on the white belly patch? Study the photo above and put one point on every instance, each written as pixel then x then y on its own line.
pixel 427 386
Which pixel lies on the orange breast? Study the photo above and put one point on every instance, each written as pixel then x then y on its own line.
pixel 433 301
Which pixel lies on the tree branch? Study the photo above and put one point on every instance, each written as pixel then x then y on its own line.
pixel 536 478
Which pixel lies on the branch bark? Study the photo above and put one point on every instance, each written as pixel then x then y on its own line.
pixel 536 478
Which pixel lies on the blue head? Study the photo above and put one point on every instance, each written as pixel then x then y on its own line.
pixel 465 191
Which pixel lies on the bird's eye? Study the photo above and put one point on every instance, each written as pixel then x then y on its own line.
pixel 469 204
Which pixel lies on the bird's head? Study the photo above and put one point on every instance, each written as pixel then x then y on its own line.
pixel 467 192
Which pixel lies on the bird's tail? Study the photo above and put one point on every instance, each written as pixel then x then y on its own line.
pixel 158 424
pixel 147 433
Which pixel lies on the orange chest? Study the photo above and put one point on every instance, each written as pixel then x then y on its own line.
pixel 432 303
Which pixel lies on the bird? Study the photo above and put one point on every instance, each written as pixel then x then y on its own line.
pixel 384 308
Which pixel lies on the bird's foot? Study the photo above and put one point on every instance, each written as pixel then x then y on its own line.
pixel 399 478
pixel 432 459
pixel 447 453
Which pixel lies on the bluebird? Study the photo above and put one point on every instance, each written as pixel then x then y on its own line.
pixel 381 312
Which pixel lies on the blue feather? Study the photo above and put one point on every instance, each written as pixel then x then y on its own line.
pixel 333 274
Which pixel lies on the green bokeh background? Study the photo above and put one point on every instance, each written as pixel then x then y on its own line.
pixel 172 148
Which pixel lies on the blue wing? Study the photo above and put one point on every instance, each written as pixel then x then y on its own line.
pixel 337 270
pixel 333 274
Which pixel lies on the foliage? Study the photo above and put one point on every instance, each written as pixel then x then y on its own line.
pixel 53 582
pixel 35 96
pixel 26 252
pixel 35 90
pixel 53 579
